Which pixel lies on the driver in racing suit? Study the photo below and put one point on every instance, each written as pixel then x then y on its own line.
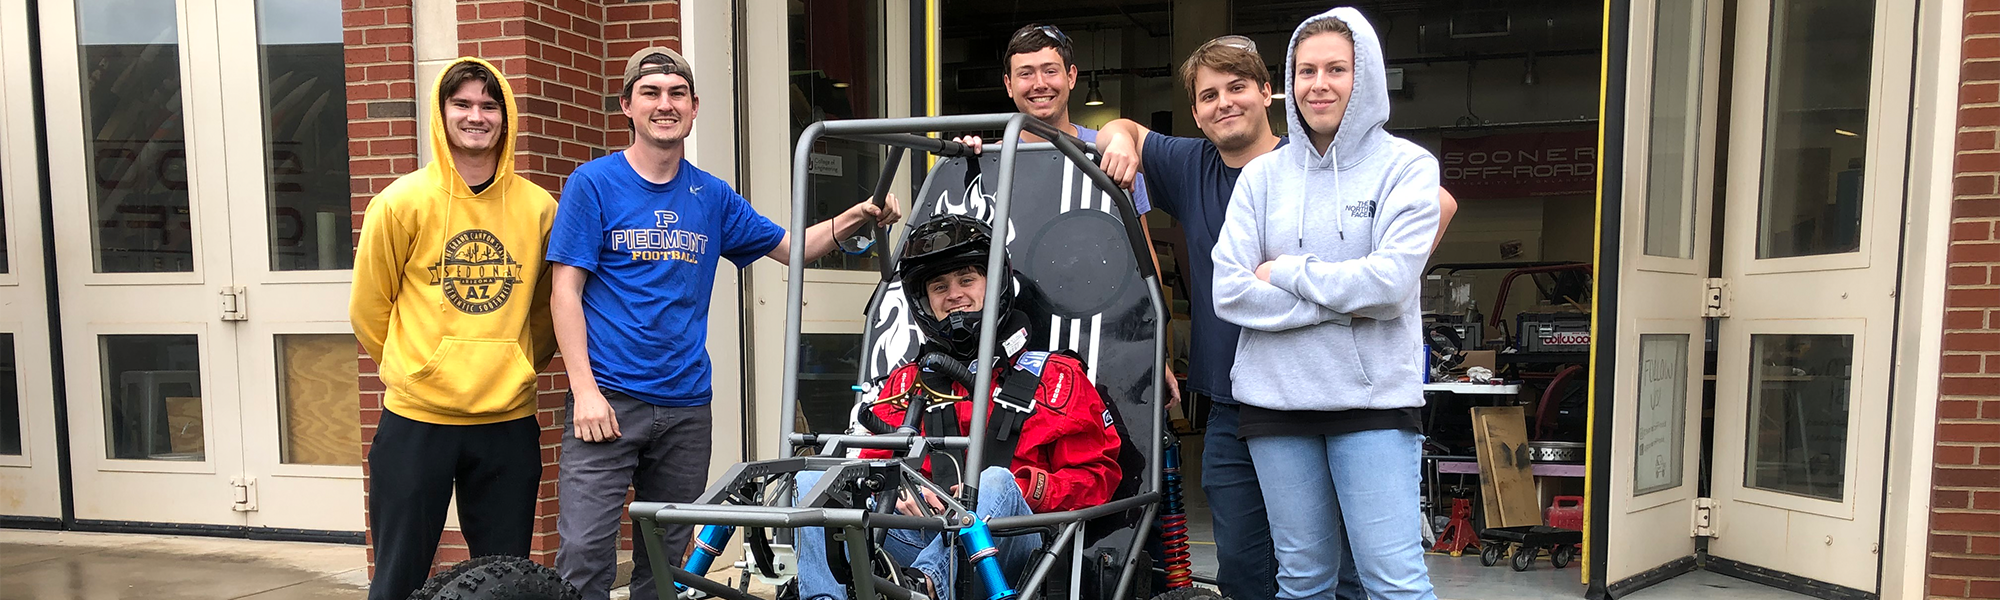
pixel 1065 453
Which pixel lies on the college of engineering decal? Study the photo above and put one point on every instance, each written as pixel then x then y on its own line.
pixel 477 273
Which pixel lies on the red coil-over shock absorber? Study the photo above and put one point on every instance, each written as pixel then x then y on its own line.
pixel 1173 522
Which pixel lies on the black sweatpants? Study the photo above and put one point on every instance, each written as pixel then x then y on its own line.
pixel 412 468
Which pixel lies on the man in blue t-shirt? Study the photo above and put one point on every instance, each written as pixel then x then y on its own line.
pixel 1192 179
pixel 635 243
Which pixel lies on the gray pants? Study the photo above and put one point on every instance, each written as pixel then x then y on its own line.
pixel 663 452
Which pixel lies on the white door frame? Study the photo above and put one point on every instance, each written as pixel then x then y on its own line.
pixel 1648 534
pixel 23 287
pixel 1919 308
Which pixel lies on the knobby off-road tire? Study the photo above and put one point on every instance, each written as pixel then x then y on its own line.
pixel 1191 593
pixel 501 578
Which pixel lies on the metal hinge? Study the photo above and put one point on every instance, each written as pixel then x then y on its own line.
pixel 235 304
pixel 1715 297
pixel 246 493
pixel 1704 518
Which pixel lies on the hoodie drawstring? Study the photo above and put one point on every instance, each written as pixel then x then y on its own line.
pixel 1339 220
pixel 450 198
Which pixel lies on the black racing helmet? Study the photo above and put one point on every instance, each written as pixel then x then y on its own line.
pixel 941 245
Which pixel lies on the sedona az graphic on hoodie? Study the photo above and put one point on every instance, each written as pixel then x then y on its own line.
pixel 1349 229
pixel 469 305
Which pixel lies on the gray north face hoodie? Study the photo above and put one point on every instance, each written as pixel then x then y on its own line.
pixel 1337 327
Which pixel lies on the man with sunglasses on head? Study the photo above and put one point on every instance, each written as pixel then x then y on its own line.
pixel 1040 63
pixel 1192 179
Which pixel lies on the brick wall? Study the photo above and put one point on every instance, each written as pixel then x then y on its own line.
pixel 382 139
pixel 1964 557
pixel 563 59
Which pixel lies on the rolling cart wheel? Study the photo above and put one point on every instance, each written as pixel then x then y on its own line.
pixel 1561 555
pixel 1524 557
pixel 1489 553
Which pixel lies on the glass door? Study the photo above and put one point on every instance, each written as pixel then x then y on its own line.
pixel 1667 204
pixel 1810 250
pixel 142 227
pixel 205 241
pixel 292 217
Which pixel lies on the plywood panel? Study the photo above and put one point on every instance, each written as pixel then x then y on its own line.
pixel 1506 476
pixel 320 395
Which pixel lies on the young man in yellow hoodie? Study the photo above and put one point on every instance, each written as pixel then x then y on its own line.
pixel 451 297
pixel 635 251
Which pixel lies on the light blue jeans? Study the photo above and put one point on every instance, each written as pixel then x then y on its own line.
pixel 1365 482
pixel 999 496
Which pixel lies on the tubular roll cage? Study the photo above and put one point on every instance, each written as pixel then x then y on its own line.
pixel 812 510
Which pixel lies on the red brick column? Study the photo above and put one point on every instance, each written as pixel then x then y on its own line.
pixel 1964 557
pixel 629 27
pixel 382 139
pixel 549 51
pixel 555 56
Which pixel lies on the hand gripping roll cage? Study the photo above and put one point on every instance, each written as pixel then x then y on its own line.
pixel 757 496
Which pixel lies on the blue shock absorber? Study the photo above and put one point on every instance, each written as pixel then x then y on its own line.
pixel 707 545
pixel 1173 522
pixel 985 559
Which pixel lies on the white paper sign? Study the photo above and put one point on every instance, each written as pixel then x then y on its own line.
pixel 824 164
pixel 1662 412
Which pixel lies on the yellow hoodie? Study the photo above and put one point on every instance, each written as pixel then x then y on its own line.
pixel 451 292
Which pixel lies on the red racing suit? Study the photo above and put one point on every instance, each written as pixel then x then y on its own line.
pixel 1067 454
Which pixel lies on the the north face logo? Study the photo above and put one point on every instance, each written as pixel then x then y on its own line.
pixel 1364 209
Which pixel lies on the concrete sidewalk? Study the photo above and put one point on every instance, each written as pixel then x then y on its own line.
pixel 44 565
pixel 39 565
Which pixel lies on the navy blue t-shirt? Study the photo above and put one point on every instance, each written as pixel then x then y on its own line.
pixel 1186 178
pixel 650 249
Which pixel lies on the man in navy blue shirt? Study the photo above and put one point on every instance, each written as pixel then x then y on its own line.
pixel 635 243
pixel 1192 179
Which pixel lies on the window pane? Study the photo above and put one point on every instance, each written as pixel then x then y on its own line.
pixel 152 397
pixel 305 134
pixel 836 60
pixel 138 152
pixel 1815 127
pixel 10 398
pixel 1675 128
pixel 1663 376
pixel 1798 414
pixel 319 400
pixel 828 368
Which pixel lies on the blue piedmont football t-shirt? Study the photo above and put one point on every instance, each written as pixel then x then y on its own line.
pixel 1190 182
pixel 650 249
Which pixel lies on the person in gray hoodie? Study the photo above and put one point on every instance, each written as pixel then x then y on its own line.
pixel 1319 262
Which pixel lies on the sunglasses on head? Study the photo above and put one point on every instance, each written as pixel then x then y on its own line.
pixel 1233 41
pixel 1048 30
